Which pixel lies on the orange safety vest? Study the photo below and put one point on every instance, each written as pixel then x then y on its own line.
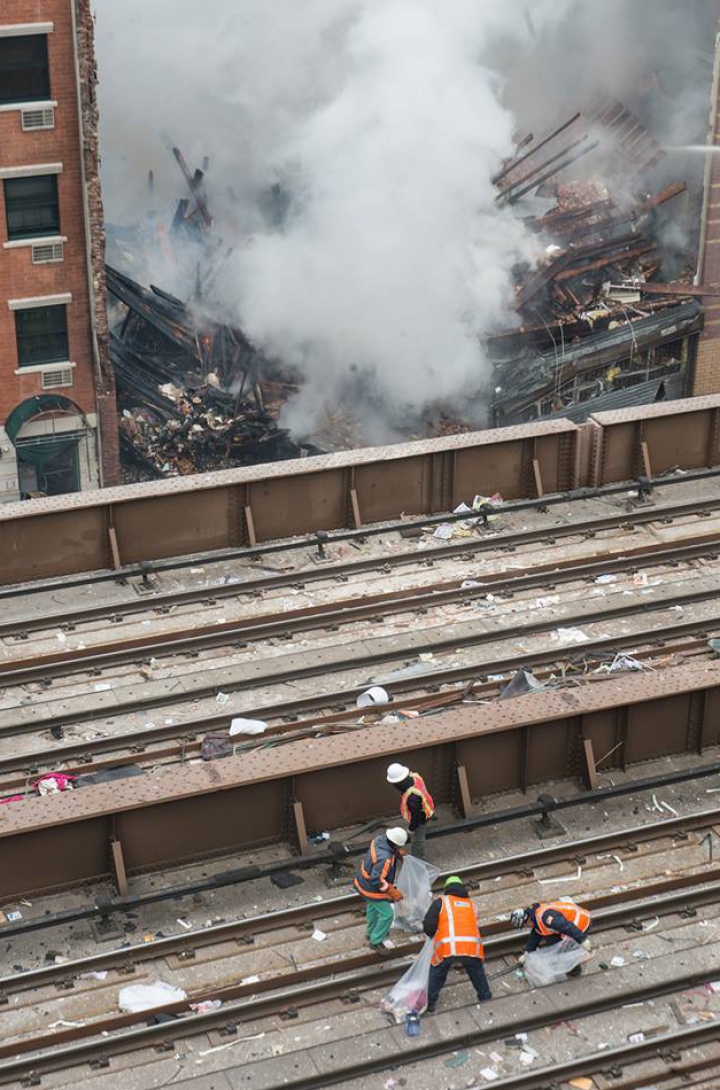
pixel 457 934
pixel 418 788
pixel 573 914
pixel 363 880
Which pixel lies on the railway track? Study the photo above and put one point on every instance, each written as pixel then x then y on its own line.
pixel 593 646
pixel 343 571
pixel 507 507
pixel 290 623
pixel 108 1037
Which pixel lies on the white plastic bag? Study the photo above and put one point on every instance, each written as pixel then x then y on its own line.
pixel 143 997
pixel 415 883
pixel 247 726
pixel 550 964
pixel 410 994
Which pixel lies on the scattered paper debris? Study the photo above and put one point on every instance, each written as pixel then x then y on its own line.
pixel 618 962
pixel 247 726
pixel 319 935
pixel 570 635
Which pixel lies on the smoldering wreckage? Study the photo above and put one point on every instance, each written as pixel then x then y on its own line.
pixel 596 322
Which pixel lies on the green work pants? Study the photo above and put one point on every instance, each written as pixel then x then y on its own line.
pixel 379 916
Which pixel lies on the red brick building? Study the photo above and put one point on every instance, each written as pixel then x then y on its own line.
pixel 58 420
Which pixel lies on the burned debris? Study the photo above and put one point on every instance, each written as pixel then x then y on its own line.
pixel 596 317
pixel 194 394
pixel 609 311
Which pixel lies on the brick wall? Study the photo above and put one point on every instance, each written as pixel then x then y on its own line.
pixel 19 278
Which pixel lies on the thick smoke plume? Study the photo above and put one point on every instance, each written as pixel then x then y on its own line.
pixel 380 259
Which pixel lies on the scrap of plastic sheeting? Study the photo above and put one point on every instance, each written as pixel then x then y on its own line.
pixel 606 578
pixel 143 997
pixel 625 662
pixel 714 645
pixel 444 532
pixel 247 726
pixel 206 1006
pixel 468 584
pixel 569 635
pixel 374 695
pixel 222 698
pixel 489 1074
pixel 319 935
pixel 617 962
pixel 521 684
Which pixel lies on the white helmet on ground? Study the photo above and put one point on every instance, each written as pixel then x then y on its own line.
pixel 396 773
pixel 397 836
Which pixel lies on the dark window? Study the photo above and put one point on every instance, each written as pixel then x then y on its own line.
pixel 24 73
pixel 32 207
pixel 41 335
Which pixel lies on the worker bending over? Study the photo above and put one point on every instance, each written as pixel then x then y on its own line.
pixel 416 805
pixel 375 881
pixel 452 923
pixel 551 923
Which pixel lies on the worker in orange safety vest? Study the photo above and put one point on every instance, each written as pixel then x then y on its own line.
pixel 452 923
pixel 375 882
pixel 416 805
pixel 552 922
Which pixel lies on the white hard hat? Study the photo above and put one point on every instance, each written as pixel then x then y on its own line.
pixel 397 773
pixel 397 836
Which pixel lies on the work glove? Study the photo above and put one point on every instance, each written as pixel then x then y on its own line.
pixel 521 959
pixel 394 893
pixel 587 945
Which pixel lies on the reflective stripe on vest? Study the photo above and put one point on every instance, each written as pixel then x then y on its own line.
pixel 457 934
pixel 573 914
pixel 418 788
pixel 363 879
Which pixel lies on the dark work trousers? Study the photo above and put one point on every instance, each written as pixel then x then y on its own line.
pixel 473 967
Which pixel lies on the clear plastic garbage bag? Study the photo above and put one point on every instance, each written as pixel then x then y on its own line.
pixel 410 994
pixel 415 882
pixel 549 964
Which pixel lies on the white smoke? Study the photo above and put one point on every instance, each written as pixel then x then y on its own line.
pixel 384 121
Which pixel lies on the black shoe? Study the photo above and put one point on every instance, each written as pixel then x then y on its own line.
pixel 576 971
pixel 429 1010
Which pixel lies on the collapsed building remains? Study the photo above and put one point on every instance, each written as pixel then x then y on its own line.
pixel 598 317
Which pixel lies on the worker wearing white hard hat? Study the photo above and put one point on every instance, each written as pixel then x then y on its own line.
pixel 416 805
pixel 375 882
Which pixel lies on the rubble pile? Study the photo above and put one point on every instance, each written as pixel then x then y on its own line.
pixel 592 312
pixel 194 395
pixel 594 317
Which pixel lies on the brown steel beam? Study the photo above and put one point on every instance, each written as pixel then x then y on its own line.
pixel 184 813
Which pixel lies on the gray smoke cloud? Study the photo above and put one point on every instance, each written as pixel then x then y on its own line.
pixel 382 122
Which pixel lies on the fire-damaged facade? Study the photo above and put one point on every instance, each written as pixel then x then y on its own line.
pixel 58 418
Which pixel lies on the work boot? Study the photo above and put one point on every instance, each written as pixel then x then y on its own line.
pixel 384 948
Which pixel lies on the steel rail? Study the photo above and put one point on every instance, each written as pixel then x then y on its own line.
pixel 375 529
pixel 291 622
pixel 522 864
pixel 276 676
pixel 136 741
pixel 71 1046
pixel 665 1044
pixel 345 569
pixel 238 876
